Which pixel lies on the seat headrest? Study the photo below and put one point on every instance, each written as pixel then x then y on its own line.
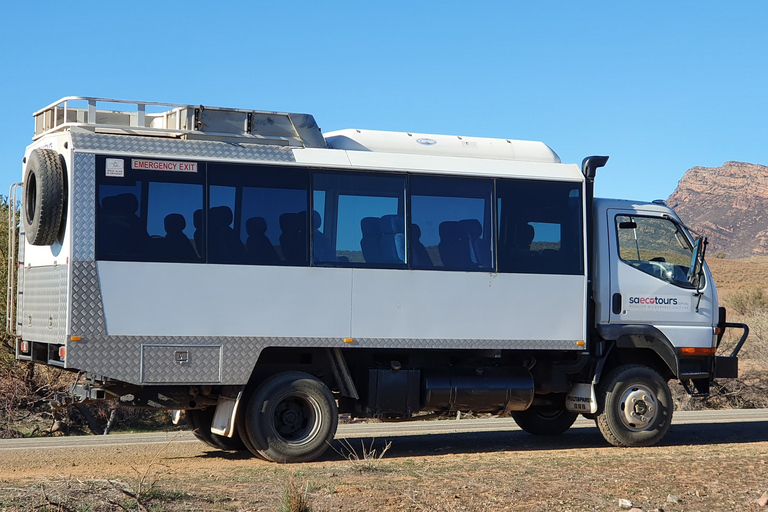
pixel 174 223
pixel 293 222
pixel 370 226
pixel 125 204
pixel 449 229
pixel 525 235
pixel 220 216
pixel 473 227
pixel 256 226
pixel 391 224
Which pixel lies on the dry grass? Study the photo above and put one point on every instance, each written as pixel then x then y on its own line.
pixel 749 300
pixel 732 275
pixel 294 500
pixel 743 290
pixel 368 459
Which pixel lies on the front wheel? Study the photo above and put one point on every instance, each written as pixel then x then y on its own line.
pixel 545 420
pixel 635 406
pixel 291 417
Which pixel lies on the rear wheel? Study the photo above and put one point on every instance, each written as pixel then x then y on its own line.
pixel 241 427
pixel 291 417
pixel 200 420
pixel 545 420
pixel 635 406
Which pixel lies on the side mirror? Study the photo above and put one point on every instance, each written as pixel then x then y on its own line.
pixel 696 269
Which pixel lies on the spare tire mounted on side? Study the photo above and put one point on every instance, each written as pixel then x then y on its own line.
pixel 44 197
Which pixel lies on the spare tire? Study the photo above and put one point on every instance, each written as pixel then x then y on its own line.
pixel 43 197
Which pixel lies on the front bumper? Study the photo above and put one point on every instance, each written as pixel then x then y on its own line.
pixel 727 367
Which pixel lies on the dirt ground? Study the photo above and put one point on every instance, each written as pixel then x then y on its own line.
pixel 702 467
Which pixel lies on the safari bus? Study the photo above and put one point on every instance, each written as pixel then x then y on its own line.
pixel 264 277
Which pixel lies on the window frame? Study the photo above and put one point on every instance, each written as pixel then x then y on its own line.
pixel 679 229
pixel 487 224
pixel 207 177
pixel 402 204
pixel 572 266
pixel 144 179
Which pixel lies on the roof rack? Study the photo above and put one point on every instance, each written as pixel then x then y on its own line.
pixel 123 117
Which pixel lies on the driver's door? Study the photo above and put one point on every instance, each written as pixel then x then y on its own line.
pixel 650 258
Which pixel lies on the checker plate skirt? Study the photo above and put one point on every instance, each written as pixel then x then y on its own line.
pixel 162 146
pixel 43 316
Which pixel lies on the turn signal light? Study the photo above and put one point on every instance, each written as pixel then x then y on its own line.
pixel 62 352
pixel 24 347
pixel 698 351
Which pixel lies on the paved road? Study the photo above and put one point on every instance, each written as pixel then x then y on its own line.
pixel 688 427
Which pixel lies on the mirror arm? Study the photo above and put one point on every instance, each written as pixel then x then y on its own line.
pixel 702 246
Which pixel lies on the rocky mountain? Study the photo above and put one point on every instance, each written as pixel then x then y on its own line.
pixel 728 204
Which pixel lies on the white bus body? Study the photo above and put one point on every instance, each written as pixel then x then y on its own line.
pixel 169 258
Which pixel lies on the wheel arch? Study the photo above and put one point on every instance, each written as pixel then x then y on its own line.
pixel 315 361
pixel 639 344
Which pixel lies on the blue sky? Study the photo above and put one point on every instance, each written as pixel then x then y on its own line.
pixel 658 86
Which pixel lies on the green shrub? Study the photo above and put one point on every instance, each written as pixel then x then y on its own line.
pixel 748 300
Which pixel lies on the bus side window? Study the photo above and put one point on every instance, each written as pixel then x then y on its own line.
pixel 147 215
pixel 539 227
pixel 269 214
pixel 453 216
pixel 359 220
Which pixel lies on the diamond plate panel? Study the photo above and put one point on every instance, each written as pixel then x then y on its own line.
pixel 43 315
pixel 161 146
pixel 120 357
pixel 180 363
pixel 87 309
pixel 83 206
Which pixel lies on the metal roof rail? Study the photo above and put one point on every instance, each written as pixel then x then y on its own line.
pixel 124 117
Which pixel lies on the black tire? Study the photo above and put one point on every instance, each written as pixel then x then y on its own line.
pixel 647 420
pixel 240 423
pixel 200 420
pixel 43 197
pixel 291 417
pixel 545 420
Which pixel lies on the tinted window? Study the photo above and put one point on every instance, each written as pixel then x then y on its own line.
pixel 451 223
pixel 147 215
pixel 359 219
pixel 257 215
pixel 540 227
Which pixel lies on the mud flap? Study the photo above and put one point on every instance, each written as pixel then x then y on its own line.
pixel 581 398
pixel 223 422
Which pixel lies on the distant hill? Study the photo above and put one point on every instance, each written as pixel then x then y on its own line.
pixel 729 204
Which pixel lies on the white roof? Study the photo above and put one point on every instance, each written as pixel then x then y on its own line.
pixel 441 145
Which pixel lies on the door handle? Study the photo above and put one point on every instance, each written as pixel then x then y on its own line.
pixel 616 305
